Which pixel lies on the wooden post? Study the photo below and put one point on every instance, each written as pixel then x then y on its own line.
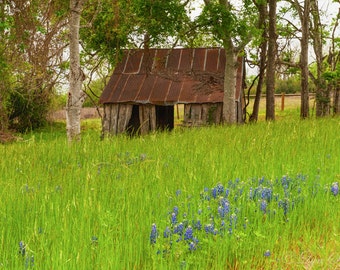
pixel 282 101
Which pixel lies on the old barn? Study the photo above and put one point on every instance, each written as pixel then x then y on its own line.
pixel 146 85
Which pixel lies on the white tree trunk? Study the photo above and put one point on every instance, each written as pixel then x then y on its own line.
pixel 230 73
pixel 76 96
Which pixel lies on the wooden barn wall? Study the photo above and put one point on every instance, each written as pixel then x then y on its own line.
pixel 116 118
pixel 202 114
pixel 147 118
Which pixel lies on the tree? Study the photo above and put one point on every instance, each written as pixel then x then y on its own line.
pixel 76 96
pixel 233 30
pixel 317 34
pixel 32 47
pixel 332 75
pixel 4 74
pixel 304 18
pixel 262 24
pixel 271 66
pixel 121 24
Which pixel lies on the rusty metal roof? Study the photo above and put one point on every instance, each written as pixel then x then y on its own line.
pixel 169 76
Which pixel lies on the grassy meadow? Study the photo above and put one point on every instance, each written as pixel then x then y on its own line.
pixel 261 196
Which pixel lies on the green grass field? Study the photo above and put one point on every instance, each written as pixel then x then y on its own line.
pixel 261 196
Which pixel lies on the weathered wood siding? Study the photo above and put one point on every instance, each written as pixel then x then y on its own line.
pixel 116 118
pixel 147 118
pixel 202 114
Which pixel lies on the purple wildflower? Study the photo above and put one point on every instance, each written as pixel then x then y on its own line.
pixel 209 228
pixel 167 232
pixel 173 218
pixel 224 207
pixel 264 206
pixel 335 188
pixel 284 205
pixel 267 194
pixel 220 188
pixel 179 229
pixel 214 192
pixel 22 248
pixel 153 234
pixel 188 233
pixel 227 191
pixel 198 225
pixel 267 253
pixel 192 246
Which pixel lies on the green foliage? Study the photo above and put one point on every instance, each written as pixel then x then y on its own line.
pixel 27 109
pixel 124 24
pixel 93 92
pixel 58 101
pixel 227 23
pixel 290 85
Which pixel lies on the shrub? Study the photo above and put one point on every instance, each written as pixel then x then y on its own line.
pixel 27 109
pixel 288 86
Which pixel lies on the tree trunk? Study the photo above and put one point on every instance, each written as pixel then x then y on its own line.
pixel 336 102
pixel 270 85
pixel 229 103
pixel 322 91
pixel 263 15
pixel 304 113
pixel 76 96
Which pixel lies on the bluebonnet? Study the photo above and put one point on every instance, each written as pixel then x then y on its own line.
pixel 173 218
pixel 224 207
pixel 267 194
pixel 267 253
pixel 264 206
pixel 209 228
pixel 198 225
pixel 335 188
pixel 192 246
pixel 22 248
pixel 167 232
pixel 261 180
pixel 176 210
pixel 153 234
pixel 227 191
pixel 214 192
pixel 285 181
pixel 188 233
pixel 284 205
pixel 251 194
pixel 219 188
pixel 179 229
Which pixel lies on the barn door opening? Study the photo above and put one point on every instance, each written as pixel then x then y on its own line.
pixel 133 127
pixel 165 117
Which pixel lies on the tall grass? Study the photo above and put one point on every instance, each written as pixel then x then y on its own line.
pixel 92 204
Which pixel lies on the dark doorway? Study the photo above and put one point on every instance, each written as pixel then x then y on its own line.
pixel 165 117
pixel 134 123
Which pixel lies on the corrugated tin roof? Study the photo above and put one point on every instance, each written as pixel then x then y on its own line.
pixel 169 76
